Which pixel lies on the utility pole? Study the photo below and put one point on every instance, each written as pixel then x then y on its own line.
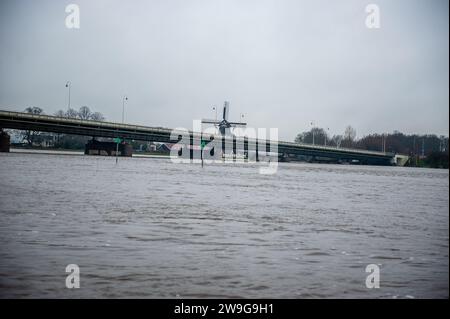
pixel 125 98
pixel 68 85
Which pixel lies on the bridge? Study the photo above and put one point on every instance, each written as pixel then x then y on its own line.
pixel 286 150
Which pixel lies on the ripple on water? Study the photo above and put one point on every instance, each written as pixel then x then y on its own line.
pixel 152 228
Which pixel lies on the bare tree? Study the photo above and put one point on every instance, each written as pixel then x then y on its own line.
pixel 60 113
pixel 71 113
pixel 350 133
pixel 30 136
pixel 84 113
pixel 97 116
pixel 349 139
pixel 316 134
pixel 34 110
pixel 337 140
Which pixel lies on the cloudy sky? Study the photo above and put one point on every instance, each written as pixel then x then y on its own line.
pixel 282 63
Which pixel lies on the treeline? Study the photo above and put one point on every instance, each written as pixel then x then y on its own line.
pixel 425 150
pixel 84 113
pixel 56 140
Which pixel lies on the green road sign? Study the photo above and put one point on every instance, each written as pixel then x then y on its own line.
pixel 203 144
pixel 117 140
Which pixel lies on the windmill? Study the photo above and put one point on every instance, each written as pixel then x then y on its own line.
pixel 224 125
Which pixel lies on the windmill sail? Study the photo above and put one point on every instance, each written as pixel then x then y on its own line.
pixel 208 121
pixel 224 125
pixel 226 109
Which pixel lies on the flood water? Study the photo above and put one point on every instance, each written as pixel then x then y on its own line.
pixel 149 228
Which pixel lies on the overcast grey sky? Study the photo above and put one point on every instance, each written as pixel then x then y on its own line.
pixel 281 63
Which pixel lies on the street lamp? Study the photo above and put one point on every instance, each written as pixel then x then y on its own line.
pixel 215 110
pixel 68 85
pixel 125 98
pixel 326 135
pixel 215 117
pixel 312 130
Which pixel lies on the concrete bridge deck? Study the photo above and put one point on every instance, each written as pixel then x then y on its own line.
pixel 47 123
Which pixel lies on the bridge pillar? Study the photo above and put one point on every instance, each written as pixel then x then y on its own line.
pixel 257 151
pixel 4 141
pixel 283 157
pixel 94 147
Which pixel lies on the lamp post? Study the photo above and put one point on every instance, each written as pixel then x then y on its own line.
pixel 239 130
pixel 312 130
pixel 326 135
pixel 215 116
pixel 125 98
pixel 68 85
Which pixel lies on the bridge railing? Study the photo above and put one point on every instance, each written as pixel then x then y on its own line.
pixel 105 124
pixel 137 128
pixel 334 148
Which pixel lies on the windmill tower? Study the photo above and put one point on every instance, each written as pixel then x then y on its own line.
pixel 224 125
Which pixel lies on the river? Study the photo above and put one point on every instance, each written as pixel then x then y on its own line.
pixel 150 228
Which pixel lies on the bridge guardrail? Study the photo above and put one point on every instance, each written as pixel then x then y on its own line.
pixel 119 126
